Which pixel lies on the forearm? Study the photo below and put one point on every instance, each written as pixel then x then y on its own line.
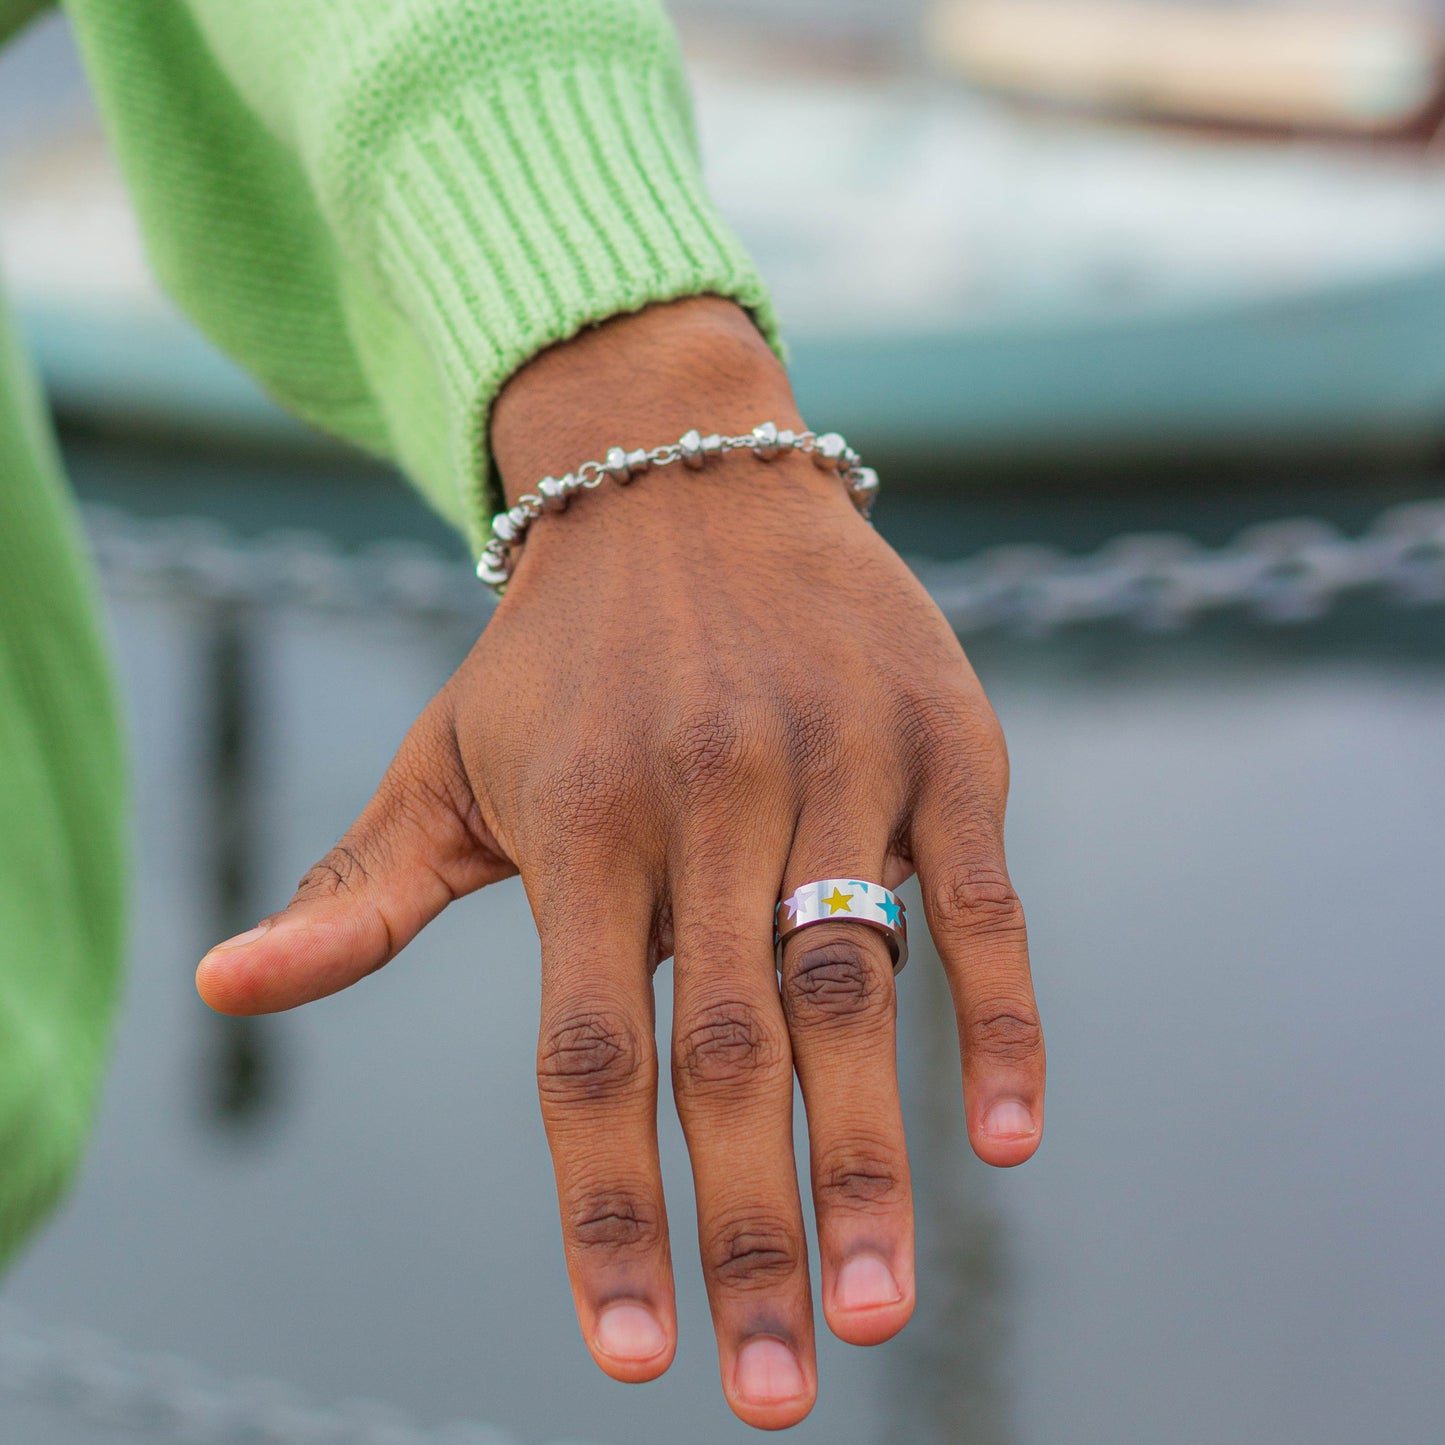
pixel 383 211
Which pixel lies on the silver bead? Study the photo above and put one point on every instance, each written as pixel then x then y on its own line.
pixel 493 572
pixel 691 448
pixel 863 483
pixel 787 439
pixel 712 445
pixel 638 461
pixel 616 465
pixel 766 446
pixel 828 450
pixel 504 527
pixel 554 494
pixel 521 518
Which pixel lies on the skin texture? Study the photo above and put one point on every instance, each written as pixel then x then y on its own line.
pixel 700 691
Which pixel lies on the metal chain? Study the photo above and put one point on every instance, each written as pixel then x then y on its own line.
pixel 162 1398
pixel 202 560
pixel 1283 572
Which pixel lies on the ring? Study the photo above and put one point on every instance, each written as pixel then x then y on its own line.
pixel 844 900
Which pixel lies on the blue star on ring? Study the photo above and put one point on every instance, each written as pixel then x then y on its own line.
pixel 893 908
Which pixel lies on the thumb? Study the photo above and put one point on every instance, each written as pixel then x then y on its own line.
pixel 419 845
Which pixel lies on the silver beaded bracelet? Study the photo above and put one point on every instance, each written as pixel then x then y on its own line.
pixel 765 441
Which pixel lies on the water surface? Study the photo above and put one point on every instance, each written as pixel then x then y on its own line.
pixel 1230 849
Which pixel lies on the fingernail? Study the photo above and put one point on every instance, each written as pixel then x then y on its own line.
pixel 242 939
pixel 865 1283
pixel 1008 1119
pixel 629 1332
pixel 768 1373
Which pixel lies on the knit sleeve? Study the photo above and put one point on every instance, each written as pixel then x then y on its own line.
pixel 384 210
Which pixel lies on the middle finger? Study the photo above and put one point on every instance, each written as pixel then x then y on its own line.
pixel 733 1082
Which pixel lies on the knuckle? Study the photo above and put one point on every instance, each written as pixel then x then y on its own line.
pixel 984 733
pixel 435 803
pixel 977 899
pixel 753 1254
pixel 340 871
pixel 931 718
pixel 958 734
pixel 1008 1031
pixel 428 776
pixel 814 727
pixel 614 1222
pixel 837 979
pixel 859 1180
pixel 716 748
pixel 587 793
pixel 589 1055
pixel 728 1045
pixel 939 720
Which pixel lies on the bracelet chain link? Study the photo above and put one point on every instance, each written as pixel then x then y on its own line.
pixel 766 441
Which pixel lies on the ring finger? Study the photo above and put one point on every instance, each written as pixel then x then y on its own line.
pixel 841 1003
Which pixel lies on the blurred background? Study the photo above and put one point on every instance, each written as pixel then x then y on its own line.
pixel 1110 290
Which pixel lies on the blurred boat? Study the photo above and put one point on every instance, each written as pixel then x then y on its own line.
pixel 1365 70
pixel 960 279
pixel 971 282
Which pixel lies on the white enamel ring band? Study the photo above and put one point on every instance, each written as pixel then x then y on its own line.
pixel 844 900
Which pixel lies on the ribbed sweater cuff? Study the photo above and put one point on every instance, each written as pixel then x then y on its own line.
pixel 548 202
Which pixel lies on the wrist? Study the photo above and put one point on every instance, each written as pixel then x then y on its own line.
pixel 637 381
pixel 642 382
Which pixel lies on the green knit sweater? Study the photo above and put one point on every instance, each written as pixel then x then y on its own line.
pixel 382 210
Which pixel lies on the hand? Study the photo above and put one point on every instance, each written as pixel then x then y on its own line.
pixel 700 691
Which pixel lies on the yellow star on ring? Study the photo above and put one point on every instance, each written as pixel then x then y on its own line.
pixel 839 902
